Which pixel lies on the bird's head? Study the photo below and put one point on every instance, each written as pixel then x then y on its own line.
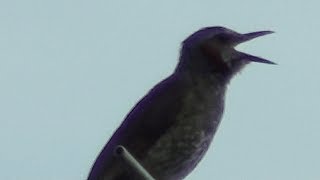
pixel 213 48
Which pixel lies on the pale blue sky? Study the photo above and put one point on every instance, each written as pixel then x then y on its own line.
pixel 71 70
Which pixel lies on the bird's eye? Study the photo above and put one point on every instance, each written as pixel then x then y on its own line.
pixel 223 38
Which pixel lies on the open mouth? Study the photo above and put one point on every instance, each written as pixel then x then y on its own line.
pixel 249 36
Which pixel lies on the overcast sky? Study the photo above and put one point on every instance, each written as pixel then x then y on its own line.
pixel 70 70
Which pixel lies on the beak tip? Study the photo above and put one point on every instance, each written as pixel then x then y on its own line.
pixel 271 63
pixel 270 32
pixel 266 62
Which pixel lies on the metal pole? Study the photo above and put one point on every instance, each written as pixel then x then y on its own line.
pixel 122 153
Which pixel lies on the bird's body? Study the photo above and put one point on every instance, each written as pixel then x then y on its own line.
pixel 171 128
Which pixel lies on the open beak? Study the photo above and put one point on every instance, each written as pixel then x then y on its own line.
pixel 246 37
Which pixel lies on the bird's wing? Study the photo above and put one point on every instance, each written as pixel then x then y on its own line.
pixel 151 117
pixel 145 124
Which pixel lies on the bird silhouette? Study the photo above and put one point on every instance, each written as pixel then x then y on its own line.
pixel 171 128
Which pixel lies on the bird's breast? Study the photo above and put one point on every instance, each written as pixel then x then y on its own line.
pixel 184 144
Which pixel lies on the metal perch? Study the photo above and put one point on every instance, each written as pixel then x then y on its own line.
pixel 122 153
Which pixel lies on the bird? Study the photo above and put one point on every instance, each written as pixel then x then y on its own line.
pixel 171 128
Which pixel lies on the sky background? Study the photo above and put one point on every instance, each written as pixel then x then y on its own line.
pixel 70 70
